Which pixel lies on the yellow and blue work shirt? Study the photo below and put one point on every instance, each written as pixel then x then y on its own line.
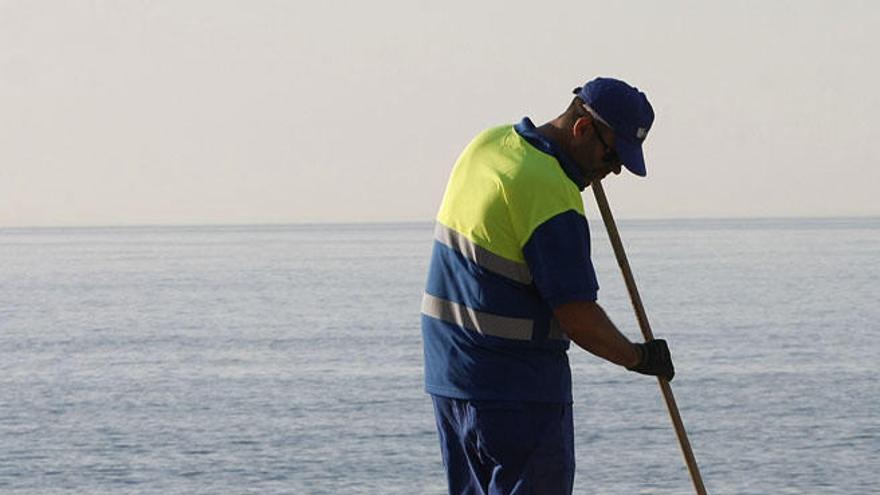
pixel 511 243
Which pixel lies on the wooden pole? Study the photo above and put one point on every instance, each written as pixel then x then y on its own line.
pixel 614 236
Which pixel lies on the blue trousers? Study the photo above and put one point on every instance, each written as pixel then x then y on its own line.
pixel 506 448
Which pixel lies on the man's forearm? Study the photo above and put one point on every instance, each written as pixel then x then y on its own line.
pixel 589 327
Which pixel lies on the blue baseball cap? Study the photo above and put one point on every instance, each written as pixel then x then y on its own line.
pixel 624 109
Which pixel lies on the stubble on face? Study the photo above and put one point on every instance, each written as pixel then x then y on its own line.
pixel 592 166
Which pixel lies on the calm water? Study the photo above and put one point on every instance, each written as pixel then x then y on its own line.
pixel 288 360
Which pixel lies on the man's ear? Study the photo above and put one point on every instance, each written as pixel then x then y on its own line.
pixel 581 126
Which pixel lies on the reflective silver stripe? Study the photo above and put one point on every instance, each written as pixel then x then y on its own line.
pixel 556 332
pixel 477 321
pixel 481 256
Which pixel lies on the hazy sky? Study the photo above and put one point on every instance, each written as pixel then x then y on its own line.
pixel 184 112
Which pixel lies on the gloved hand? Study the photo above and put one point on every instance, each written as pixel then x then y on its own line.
pixel 655 359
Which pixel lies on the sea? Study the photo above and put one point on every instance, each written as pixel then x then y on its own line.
pixel 287 359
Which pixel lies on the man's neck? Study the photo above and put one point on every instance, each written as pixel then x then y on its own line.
pixel 554 131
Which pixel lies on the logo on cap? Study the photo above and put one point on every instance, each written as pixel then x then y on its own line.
pixel 641 133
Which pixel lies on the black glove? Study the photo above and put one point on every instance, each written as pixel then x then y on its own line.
pixel 654 359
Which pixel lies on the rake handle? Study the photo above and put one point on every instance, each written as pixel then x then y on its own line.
pixel 638 307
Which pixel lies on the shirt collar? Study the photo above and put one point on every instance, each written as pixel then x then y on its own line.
pixel 527 130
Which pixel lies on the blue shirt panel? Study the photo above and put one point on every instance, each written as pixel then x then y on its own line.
pixel 458 364
pixel 464 364
pixel 454 277
pixel 558 255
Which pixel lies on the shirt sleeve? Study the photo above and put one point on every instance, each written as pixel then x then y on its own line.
pixel 558 255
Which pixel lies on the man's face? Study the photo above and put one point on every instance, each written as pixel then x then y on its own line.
pixel 596 156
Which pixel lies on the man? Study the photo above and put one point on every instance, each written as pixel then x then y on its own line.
pixel 511 281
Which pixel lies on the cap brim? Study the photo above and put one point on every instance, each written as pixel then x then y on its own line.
pixel 630 153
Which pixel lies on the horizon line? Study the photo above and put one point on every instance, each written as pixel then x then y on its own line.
pixel 340 223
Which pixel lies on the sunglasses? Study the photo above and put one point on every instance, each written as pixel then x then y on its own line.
pixel 609 156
